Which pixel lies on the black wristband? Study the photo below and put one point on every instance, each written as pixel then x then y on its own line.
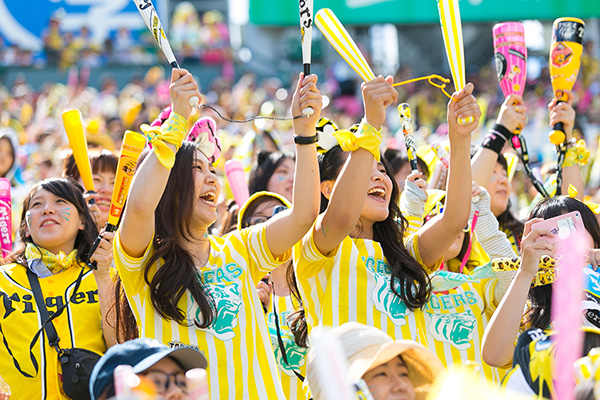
pixel 302 140
pixel 496 138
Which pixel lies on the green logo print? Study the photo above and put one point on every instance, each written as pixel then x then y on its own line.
pixel 227 302
pixel 456 329
pixel 382 296
pixel 294 353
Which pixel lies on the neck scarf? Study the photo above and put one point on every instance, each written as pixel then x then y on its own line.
pixel 44 263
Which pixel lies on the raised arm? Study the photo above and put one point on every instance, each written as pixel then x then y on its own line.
pixel 437 235
pixel 347 196
pixel 498 343
pixel 513 115
pixel 564 112
pixel 288 227
pixel 150 180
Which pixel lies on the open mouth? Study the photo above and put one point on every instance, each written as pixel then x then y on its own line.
pixel 103 203
pixel 49 223
pixel 377 193
pixel 209 198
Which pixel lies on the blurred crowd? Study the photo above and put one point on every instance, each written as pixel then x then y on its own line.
pixel 195 38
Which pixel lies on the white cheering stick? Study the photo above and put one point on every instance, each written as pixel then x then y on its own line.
pixel 453 40
pixel 152 21
pixel 306 21
pixel 339 38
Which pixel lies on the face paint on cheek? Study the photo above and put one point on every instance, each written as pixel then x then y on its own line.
pixel 281 178
pixel 64 212
pixel 28 218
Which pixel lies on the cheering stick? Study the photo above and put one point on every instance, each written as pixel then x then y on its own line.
pixel 74 129
pixel 132 147
pixel 565 59
pixel 407 130
pixel 150 17
pixel 5 218
pixel 453 40
pixel 339 38
pixel 306 21
pixel 510 55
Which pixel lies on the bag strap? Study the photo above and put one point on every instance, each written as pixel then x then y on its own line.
pixel 280 342
pixel 53 338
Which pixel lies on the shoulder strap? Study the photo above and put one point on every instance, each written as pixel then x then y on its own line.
pixel 53 338
pixel 280 341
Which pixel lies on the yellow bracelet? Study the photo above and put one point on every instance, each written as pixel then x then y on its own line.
pixel 545 275
pixel 172 132
pixel 366 137
pixel 577 154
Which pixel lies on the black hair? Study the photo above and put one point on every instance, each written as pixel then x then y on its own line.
pixel 409 281
pixel 177 273
pixel 70 191
pixel 507 220
pixel 397 160
pixel 539 314
pixel 265 165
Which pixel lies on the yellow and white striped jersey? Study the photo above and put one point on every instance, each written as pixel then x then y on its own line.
pixel 296 355
pixel 352 283
pixel 237 345
pixel 455 322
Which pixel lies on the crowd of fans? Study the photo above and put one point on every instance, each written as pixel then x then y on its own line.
pixel 195 39
pixel 201 291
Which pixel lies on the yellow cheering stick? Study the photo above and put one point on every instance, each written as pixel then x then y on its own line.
pixel 338 36
pixel 453 40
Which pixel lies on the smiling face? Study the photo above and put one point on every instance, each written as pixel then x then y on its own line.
pixel 282 180
pixel 376 208
pixel 52 222
pixel 499 190
pixel 103 183
pixel 207 190
pixel 390 381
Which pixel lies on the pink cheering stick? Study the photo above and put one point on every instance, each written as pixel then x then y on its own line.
pixel 5 217
pixel 237 181
pixel 510 55
pixel 567 295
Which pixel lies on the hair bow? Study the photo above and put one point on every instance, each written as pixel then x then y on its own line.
pixel 203 135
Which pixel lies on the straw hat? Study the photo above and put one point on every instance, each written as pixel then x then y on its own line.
pixel 367 347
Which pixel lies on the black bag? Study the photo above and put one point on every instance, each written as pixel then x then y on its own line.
pixel 77 364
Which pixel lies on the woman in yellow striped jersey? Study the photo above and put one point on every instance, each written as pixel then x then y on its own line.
pixel 352 265
pixel 188 288
pixel 284 312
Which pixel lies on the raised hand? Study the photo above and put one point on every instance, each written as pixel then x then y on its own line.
pixel 461 106
pixel 306 95
pixel 513 113
pixel 378 94
pixel 562 111
pixel 534 246
pixel 183 87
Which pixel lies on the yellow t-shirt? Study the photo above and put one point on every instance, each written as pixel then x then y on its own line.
pixel 296 355
pixel 352 283
pixel 79 325
pixel 455 322
pixel 237 346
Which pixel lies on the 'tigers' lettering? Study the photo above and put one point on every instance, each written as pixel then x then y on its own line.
pixel 26 303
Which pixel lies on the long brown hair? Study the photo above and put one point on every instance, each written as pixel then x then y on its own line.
pixel 408 279
pixel 177 273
